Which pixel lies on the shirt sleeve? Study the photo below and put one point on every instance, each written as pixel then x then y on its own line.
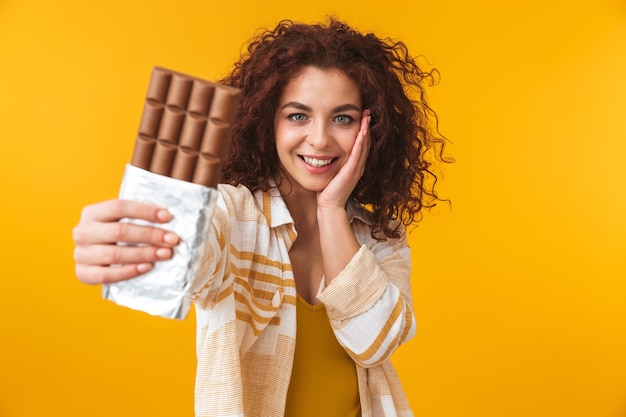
pixel 369 303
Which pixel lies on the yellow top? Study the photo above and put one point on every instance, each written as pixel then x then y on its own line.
pixel 324 377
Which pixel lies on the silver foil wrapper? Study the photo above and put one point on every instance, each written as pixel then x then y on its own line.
pixel 166 289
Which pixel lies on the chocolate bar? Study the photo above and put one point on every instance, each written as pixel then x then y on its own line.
pixel 185 127
pixel 183 135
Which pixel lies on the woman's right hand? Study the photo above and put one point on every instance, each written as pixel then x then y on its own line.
pixel 99 258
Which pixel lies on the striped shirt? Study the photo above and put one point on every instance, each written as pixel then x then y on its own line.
pixel 245 298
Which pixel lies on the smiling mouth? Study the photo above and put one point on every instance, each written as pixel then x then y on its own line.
pixel 317 163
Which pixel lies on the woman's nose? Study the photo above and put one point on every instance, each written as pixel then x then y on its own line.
pixel 319 136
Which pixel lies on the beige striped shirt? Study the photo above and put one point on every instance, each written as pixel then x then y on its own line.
pixel 245 298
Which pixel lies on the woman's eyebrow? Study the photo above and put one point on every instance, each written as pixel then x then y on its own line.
pixel 295 105
pixel 300 106
pixel 346 107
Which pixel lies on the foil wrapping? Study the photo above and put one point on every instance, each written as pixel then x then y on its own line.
pixel 165 290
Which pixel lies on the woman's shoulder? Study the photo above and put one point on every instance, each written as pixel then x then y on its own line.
pixel 234 191
pixel 243 204
pixel 235 198
pixel 362 222
pixel 357 212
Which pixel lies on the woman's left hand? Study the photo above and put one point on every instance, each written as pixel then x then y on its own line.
pixel 338 190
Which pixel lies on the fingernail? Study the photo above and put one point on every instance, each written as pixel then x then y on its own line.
pixel 164 215
pixel 170 238
pixel 143 268
pixel 164 253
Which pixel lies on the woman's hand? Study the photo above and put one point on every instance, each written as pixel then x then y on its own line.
pixel 99 258
pixel 338 190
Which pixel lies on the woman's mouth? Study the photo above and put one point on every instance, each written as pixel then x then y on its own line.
pixel 317 163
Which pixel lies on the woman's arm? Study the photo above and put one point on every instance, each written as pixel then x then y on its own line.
pixel 338 243
pixel 366 290
pixel 369 303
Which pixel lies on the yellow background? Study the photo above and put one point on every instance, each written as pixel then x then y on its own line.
pixel 519 288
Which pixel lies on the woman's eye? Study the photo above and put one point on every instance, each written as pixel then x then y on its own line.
pixel 344 119
pixel 296 117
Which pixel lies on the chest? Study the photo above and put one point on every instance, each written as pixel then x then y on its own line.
pixel 308 265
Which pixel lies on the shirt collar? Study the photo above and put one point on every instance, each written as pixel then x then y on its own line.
pixel 273 206
pixel 277 214
pixel 357 211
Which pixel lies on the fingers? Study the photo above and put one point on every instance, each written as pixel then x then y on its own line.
pixel 102 264
pixel 106 263
pixel 116 232
pixel 366 119
pixel 113 210
pixel 100 223
pixel 119 254
pixel 360 150
pixel 109 250
pixel 365 135
pixel 95 274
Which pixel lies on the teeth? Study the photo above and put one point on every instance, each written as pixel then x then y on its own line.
pixel 317 163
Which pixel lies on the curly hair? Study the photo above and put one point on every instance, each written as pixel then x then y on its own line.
pixel 397 183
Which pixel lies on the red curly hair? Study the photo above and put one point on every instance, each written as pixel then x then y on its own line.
pixel 397 182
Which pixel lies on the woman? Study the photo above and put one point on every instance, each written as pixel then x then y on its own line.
pixel 305 291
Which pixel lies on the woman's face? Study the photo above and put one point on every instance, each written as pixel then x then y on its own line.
pixel 316 124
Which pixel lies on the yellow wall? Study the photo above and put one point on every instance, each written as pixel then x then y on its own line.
pixel 519 289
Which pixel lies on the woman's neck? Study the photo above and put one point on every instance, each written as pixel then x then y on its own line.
pixel 302 204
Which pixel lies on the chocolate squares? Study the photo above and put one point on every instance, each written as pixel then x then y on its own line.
pixel 185 127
